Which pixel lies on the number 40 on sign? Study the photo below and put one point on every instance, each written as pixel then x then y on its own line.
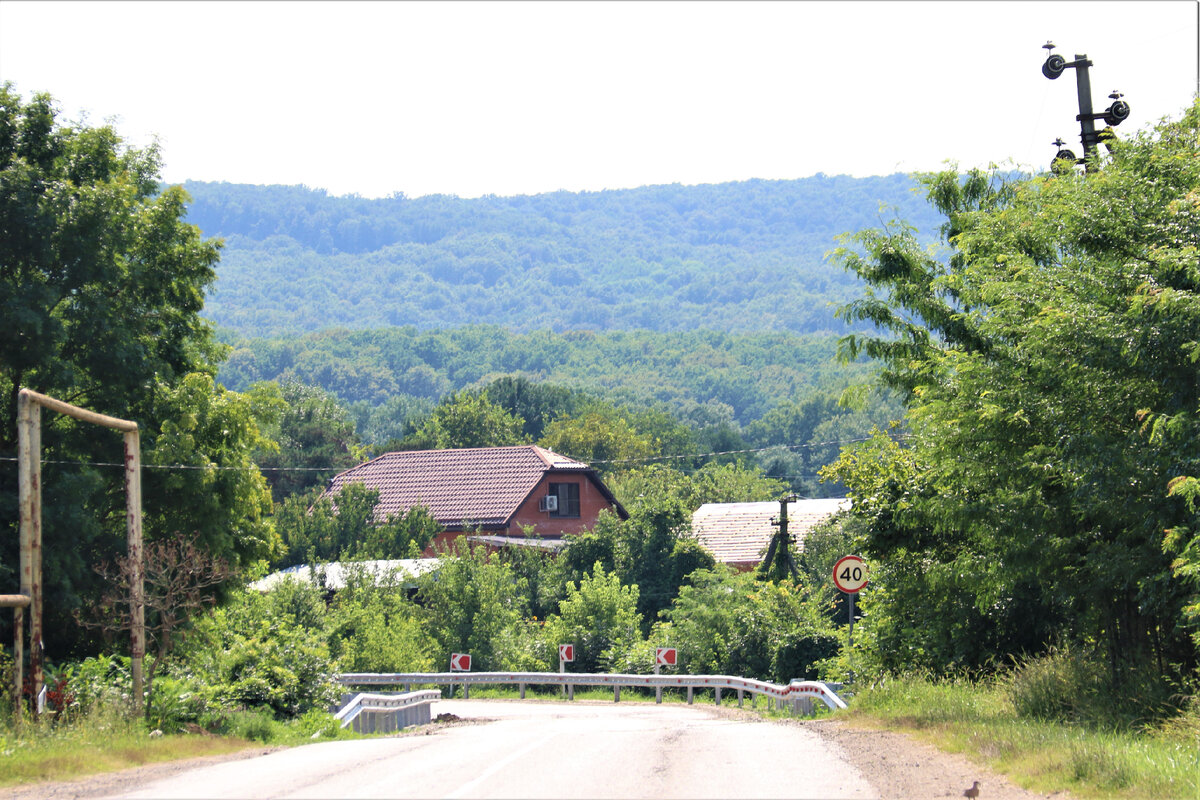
pixel 850 574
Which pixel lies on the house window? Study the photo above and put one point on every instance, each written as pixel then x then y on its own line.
pixel 568 499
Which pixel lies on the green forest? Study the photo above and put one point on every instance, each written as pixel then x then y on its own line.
pixel 1013 413
pixel 736 257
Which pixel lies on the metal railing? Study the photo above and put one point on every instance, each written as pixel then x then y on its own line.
pixel 799 695
pixel 385 713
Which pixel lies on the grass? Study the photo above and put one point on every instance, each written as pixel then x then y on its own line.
pixel 106 741
pixel 978 719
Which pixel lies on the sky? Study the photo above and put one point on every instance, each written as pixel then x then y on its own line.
pixel 510 98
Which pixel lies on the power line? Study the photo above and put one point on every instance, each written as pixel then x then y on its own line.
pixel 647 459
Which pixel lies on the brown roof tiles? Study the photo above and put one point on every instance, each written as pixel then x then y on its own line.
pixel 480 486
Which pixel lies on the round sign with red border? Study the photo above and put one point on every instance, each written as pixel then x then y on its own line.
pixel 850 574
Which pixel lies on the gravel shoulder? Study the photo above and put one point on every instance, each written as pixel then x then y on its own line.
pixel 898 767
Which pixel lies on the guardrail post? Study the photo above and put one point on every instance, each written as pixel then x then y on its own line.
pixel 717 694
pixel 521 686
pixel 570 691
pixel 739 698
pixel 617 694
pixel 690 690
pixel 466 691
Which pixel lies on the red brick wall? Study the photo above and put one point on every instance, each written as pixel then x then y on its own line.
pixel 591 503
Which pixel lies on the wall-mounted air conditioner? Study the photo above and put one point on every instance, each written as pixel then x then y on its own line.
pixel 548 503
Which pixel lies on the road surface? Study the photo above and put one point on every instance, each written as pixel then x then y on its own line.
pixel 541 749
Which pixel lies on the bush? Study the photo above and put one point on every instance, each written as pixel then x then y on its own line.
pixel 258 652
pixel 599 616
pixel 729 623
pixel 1060 686
pixel 377 629
pixel 255 725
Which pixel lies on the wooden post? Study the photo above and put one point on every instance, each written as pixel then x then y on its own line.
pixel 133 535
pixel 29 445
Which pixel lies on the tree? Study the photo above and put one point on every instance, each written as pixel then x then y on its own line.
pixel 728 623
pixel 1048 364
pixel 101 287
pixel 599 616
pixel 178 579
pixel 345 526
pixel 467 419
pixel 473 603
pixel 600 436
pixel 313 430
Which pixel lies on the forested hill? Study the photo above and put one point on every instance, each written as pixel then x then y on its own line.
pixel 738 257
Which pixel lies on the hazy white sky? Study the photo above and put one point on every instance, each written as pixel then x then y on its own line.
pixel 507 98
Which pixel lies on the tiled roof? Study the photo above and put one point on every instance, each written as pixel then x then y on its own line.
pixel 477 486
pixel 738 533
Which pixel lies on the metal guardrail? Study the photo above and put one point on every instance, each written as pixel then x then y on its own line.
pixel 384 713
pixel 798 694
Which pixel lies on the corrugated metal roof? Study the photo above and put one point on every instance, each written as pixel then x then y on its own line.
pixel 738 533
pixel 333 575
pixel 480 486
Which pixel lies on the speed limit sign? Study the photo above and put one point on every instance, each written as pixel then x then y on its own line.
pixel 850 574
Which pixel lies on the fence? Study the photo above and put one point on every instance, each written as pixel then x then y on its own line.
pixel 797 695
pixel 385 713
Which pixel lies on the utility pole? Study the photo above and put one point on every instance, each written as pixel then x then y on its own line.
pixel 1114 115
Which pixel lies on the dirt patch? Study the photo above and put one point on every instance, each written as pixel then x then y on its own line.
pixel 901 768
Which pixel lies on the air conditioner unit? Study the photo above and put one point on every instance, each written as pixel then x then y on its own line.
pixel 548 503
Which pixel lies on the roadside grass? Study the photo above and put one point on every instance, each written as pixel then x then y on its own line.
pixel 106 741
pixel 979 720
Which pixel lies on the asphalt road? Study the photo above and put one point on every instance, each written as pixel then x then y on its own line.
pixel 553 750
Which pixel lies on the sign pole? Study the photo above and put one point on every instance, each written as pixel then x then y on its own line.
pixel 851 628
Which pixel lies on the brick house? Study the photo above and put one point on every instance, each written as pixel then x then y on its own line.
pixel 494 492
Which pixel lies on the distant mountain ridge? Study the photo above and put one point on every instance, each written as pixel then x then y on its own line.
pixel 738 257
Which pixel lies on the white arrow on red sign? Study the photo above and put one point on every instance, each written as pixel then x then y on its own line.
pixel 664 656
pixel 566 652
pixel 460 662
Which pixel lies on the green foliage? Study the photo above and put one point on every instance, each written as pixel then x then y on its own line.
pixel 101 288
pixel 703 377
pixel 730 623
pixel 220 499
pixel 599 616
pixel 652 549
pixel 472 604
pixel 467 419
pixel 600 437
pixel 376 628
pixel 734 256
pixel 1048 366
pixel 262 651
pixel 313 429
pixel 712 483
pixel 345 527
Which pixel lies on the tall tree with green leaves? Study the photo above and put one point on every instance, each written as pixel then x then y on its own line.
pixel 1048 359
pixel 466 419
pixel 101 287
pixel 313 431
